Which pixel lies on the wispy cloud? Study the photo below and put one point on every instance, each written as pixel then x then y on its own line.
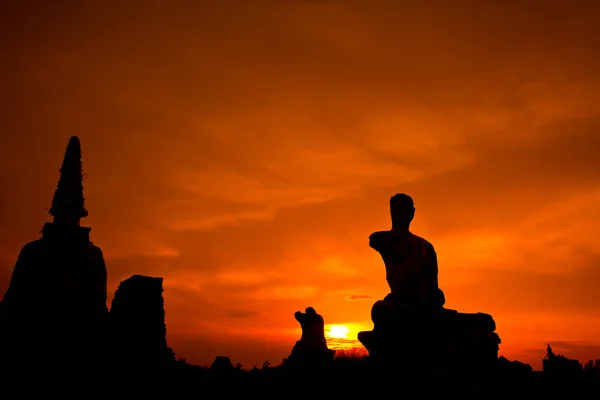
pixel 356 297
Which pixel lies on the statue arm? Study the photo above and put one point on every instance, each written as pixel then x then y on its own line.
pixel 378 242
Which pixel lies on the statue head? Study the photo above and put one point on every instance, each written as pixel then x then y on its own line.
pixel 402 210
pixel 310 311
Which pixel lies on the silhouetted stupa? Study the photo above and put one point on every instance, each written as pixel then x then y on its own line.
pixel 54 310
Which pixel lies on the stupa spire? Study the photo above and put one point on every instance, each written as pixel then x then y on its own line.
pixel 68 201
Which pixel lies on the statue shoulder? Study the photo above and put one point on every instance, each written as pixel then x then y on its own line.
pixel 425 243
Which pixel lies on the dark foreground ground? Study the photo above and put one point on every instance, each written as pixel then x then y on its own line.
pixel 341 382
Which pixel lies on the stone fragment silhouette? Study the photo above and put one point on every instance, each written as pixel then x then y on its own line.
pixel 411 326
pixel 313 328
pixel 311 350
pixel 55 306
pixel 138 323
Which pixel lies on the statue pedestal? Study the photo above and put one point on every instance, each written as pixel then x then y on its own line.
pixel 305 356
pixel 444 342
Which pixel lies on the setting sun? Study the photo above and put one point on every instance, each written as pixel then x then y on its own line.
pixel 338 331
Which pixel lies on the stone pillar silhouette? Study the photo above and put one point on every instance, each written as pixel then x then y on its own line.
pixel 54 312
pixel 138 324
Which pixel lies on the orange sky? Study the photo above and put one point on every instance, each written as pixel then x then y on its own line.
pixel 244 150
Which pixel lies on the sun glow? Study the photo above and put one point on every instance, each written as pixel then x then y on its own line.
pixel 337 331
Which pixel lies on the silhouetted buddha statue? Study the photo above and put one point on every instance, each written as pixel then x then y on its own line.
pixel 311 350
pixel 55 305
pixel 412 317
pixel 410 261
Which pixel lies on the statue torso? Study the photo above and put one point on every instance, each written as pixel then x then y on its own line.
pixel 407 258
